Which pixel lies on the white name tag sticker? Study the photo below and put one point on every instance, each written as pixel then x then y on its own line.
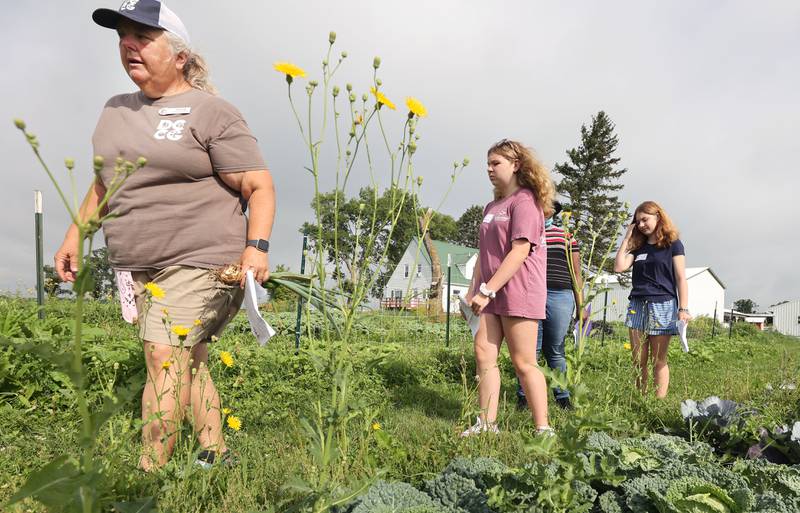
pixel 641 257
pixel 488 218
pixel 171 111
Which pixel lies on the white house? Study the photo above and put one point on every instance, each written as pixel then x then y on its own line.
pixel 706 295
pixel 786 318
pixel 410 283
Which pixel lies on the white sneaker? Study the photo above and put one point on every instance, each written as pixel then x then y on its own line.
pixel 545 431
pixel 480 427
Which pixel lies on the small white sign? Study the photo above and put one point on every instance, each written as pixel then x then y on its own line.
pixel 169 111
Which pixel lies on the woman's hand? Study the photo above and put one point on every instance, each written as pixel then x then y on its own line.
pixel 478 303
pixel 257 261
pixel 684 316
pixel 66 259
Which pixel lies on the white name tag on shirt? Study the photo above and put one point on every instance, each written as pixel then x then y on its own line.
pixel 641 257
pixel 170 111
pixel 488 218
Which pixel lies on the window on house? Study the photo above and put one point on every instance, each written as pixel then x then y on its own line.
pixel 397 294
pixel 405 271
pixel 419 270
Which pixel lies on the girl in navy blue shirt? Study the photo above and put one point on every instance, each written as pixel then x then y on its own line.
pixel 660 294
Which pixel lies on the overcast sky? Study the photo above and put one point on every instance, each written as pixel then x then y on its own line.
pixel 704 94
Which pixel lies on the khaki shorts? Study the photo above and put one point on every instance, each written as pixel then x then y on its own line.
pixel 194 300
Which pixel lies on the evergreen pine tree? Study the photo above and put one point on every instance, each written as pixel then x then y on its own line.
pixel 591 179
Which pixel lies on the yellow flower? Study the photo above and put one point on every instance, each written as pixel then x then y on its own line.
pixel 165 311
pixel 181 331
pixel 382 98
pixel 287 68
pixel 166 364
pixel 376 426
pixel 226 358
pixel 633 312
pixel 235 423
pixel 627 346
pixel 198 322
pixel 226 411
pixel 154 290
pixel 358 119
pixel 613 301
pixel 416 107
pixel 565 217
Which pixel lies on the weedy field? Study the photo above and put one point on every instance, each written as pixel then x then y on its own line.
pixel 372 424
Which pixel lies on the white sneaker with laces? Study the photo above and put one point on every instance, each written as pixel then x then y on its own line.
pixel 480 427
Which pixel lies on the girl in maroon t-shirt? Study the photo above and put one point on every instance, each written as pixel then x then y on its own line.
pixel 509 284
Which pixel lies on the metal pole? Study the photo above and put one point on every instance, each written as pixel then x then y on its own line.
pixel 714 322
pixel 447 329
pixel 300 299
pixel 605 310
pixel 730 323
pixel 37 209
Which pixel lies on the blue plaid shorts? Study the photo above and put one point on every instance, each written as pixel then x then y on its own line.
pixel 653 318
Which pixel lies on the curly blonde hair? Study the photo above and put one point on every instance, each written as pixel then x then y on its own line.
pixel 666 233
pixel 532 174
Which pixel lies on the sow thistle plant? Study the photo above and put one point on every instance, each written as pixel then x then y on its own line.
pixel 71 481
pixel 355 118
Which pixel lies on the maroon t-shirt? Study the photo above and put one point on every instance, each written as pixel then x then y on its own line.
pixel 505 220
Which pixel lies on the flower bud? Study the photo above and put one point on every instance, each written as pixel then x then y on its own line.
pixel 361 207
pixel 352 98
pixel 376 62
pixel 119 161
pixel 325 62
pixel 378 82
pixel 313 83
pixel 335 91
pixel 69 163
pixel 352 132
pixel 412 147
pixel 344 55
pixel 465 162
pixel 141 162
pixel 116 365
pixel 98 162
pixel 364 97
pixel 332 37
pixel 419 181
pixel 348 153
pixel 349 87
pixel 455 164
pixel 19 124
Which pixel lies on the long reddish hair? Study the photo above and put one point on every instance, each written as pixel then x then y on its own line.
pixel 666 233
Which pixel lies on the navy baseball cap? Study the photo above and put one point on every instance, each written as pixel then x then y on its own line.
pixel 152 13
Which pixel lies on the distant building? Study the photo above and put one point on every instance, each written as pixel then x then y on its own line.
pixel 706 295
pixel 786 318
pixel 759 319
pixel 410 283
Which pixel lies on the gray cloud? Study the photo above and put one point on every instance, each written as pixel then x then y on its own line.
pixel 704 96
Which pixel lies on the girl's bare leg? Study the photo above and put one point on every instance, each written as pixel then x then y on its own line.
pixel 640 352
pixel 521 338
pixel 659 347
pixel 488 340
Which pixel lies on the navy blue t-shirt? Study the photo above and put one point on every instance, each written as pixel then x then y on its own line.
pixel 653 272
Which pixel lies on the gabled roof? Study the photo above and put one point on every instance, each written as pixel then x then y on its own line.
pixel 459 255
pixel 691 272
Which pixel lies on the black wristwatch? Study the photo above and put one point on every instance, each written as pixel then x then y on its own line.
pixel 259 244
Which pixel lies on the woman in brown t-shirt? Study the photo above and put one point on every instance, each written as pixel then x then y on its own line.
pixel 179 218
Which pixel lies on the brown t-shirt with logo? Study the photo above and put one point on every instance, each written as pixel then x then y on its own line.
pixel 175 210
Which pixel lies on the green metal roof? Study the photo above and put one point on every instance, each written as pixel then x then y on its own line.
pixel 458 258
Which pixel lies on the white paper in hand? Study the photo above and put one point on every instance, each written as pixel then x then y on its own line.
pixel 473 320
pixel 252 293
pixel 682 325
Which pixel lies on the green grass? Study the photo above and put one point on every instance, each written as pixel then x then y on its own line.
pixel 402 374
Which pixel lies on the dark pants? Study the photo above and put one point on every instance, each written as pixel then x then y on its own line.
pixel 552 330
